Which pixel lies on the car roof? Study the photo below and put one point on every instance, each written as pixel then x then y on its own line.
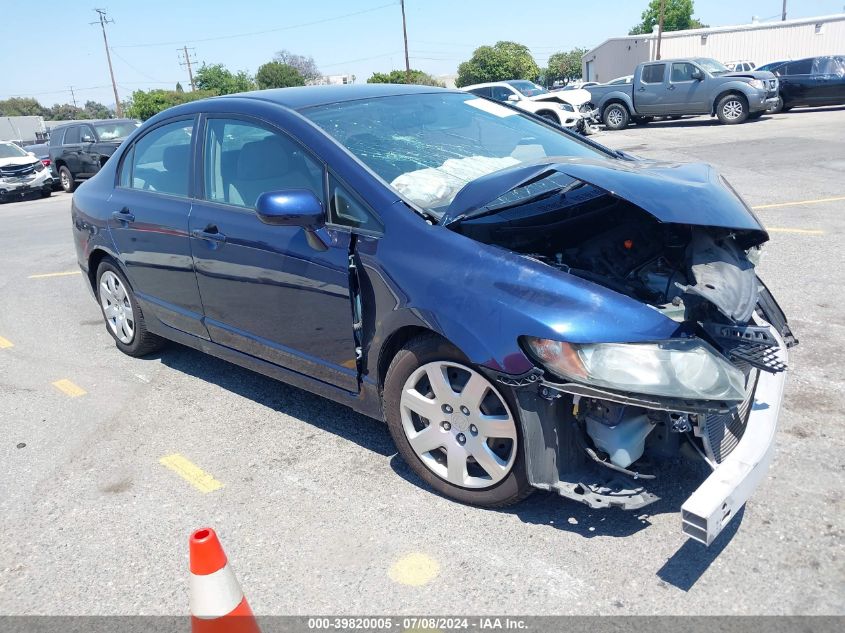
pixel 308 96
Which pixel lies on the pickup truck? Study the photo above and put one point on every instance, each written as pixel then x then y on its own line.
pixel 675 87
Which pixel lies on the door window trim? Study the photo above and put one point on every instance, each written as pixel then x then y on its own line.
pixel 129 151
pixel 330 174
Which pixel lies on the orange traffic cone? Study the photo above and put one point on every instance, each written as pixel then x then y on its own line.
pixel 217 602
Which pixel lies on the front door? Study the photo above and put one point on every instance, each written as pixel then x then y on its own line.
pixel 684 95
pixel 829 77
pixel 274 292
pixel 149 224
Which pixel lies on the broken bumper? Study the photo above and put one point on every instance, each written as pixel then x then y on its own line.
pixel 712 506
pixel 20 186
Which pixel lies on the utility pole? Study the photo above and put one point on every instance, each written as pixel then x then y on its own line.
pixel 73 96
pixel 118 109
pixel 405 35
pixel 783 13
pixel 660 26
pixel 187 62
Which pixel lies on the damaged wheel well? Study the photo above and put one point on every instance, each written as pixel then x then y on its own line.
pixel 393 344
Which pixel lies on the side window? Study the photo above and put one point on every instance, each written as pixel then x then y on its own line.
pixel 160 160
pixel 826 66
pixel 653 73
pixel 802 67
pixel 72 135
pixel 345 209
pixel 681 71
pixel 86 134
pixel 481 92
pixel 500 93
pixel 242 160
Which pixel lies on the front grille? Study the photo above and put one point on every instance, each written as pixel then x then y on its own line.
pixel 723 431
pixel 12 171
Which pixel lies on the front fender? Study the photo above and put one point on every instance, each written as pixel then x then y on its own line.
pixel 735 86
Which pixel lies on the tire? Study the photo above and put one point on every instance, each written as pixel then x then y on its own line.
pixel 550 117
pixel 732 109
pixel 66 178
pixel 461 439
pixel 615 116
pixel 129 332
pixel 46 193
pixel 643 120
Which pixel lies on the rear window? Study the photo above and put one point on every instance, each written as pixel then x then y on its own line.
pixel 653 73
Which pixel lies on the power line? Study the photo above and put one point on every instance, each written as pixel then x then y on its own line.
pixel 252 33
pixel 103 20
pixel 135 68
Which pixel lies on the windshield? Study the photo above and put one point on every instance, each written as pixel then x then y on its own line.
pixel 428 146
pixel 712 66
pixel 113 131
pixel 9 150
pixel 528 88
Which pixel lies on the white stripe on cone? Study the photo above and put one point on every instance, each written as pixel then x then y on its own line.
pixel 215 595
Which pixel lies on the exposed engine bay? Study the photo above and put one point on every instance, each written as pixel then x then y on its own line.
pixel 702 277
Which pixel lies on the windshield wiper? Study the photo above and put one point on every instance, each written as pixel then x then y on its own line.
pixel 491 209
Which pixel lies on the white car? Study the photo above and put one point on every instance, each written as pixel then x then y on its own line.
pixel 22 173
pixel 569 109
pixel 741 66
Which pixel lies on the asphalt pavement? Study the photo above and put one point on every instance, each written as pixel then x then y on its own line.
pixel 107 463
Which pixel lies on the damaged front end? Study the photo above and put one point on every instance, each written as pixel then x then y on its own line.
pixel 598 417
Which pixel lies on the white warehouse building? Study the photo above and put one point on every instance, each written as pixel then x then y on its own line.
pixel 759 42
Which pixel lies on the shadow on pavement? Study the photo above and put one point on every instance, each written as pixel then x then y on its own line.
pixel 278 396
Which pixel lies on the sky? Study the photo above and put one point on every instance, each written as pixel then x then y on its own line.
pixel 355 37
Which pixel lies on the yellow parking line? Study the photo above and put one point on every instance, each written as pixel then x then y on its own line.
pixel 190 472
pixel 64 274
pixel 800 202
pixel 69 388
pixel 5 343
pixel 776 229
pixel 414 569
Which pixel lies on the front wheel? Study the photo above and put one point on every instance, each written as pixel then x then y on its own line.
pixel 615 116
pixel 732 109
pixel 454 427
pixel 122 312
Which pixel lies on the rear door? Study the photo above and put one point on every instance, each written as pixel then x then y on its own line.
pixel 829 77
pixel 72 148
pixel 149 223
pixel 684 95
pixel 89 160
pixel 650 89
pixel 274 292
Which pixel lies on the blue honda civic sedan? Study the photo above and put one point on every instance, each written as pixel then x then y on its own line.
pixel 525 308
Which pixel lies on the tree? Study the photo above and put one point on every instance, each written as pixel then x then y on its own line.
pixel 21 106
pixel 179 87
pixel 399 77
pixel 278 75
pixel 677 16
pixel 564 66
pixel 145 104
pixel 306 66
pixel 222 81
pixel 95 110
pixel 65 112
pixel 502 61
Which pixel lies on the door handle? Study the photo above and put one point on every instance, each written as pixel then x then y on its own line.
pixel 124 215
pixel 672 87
pixel 641 89
pixel 210 232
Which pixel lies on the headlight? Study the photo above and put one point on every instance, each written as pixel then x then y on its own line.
pixel 567 107
pixel 678 368
pixel 39 166
pixel 758 83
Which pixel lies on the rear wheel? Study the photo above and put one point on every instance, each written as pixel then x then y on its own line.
pixel 454 427
pixel 615 116
pixel 732 109
pixel 66 178
pixel 122 313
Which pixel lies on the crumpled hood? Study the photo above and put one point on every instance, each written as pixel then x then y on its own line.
pixel 681 193
pixel 573 97
pixel 17 161
pixel 751 74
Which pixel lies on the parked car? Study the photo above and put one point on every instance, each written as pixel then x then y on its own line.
pixel 22 174
pixel 42 153
pixel 685 86
pixel 813 81
pixel 570 111
pixel 79 150
pixel 620 80
pixel 524 307
pixel 740 66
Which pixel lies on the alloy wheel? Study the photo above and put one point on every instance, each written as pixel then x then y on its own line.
pixel 458 425
pixel 614 117
pixel 117 307
pixel 732 109
pixel 65 180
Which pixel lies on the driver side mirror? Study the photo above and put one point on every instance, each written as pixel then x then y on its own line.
pixel 512 98
pixel 697 74
pixel 87 138
pixel 291 207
